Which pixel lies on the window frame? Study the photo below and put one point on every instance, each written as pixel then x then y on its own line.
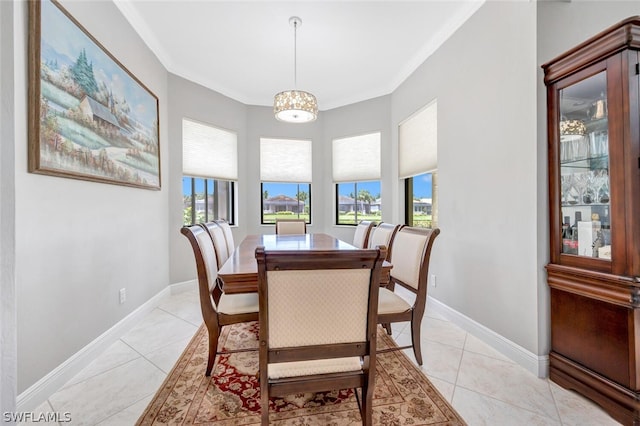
pixel 231 201
pixel 355 188
pixel 306 204
pixel 408 199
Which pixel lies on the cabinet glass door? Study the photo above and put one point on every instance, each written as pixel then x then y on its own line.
pixel 584 169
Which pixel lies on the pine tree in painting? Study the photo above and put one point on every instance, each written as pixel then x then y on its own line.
pixel 82 72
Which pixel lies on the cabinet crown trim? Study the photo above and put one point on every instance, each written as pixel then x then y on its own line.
pixel 623 35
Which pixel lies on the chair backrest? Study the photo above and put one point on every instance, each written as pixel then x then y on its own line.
pixel 219 241
pixel 291 226
pixel 228 236
pixel 361 236
pixel 410 257
pixel 206 265
pixel 384 234
pixel 318 298
pixel 318 313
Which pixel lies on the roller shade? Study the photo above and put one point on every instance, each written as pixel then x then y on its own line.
pixel 285 160
pixel 418 142
pixel 209 152
pixel 356 158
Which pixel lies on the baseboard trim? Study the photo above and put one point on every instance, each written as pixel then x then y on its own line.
pixel 183 286
pixel 538 365
pixel 40 391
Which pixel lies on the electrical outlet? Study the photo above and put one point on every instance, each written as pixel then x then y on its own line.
pixel 433 280
pixel 123 295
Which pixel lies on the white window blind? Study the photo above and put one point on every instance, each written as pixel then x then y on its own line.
pixel 209 152
pixel 285 160
pixel 418 142
pixel 356 158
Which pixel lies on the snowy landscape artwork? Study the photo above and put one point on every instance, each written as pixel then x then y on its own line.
pixel 89 117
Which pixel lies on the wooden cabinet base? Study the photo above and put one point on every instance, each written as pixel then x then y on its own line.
pixel 621 403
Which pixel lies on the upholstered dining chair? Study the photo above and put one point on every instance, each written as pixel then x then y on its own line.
pixel 361 236
pixel 384 234
pixel 228 236
pixel 410 260
pixel 218 309
pixel 219 242
pixel 308 346
pixel 291 226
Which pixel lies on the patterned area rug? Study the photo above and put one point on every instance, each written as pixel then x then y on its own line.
pixel 231 396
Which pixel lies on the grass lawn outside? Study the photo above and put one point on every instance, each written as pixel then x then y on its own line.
pixel 343 219
pixel 422 221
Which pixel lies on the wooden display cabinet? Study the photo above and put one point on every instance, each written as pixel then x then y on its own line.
pixel 593 117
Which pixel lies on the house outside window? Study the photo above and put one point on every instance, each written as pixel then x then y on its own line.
pixel 210 169
pixel 285 175
pixel 356 173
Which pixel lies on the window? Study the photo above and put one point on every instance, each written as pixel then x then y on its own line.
pixel 356 172
pixel 285 175
pixel 418 163
pixel 206 200
pixel 419 197
pixel 357 201
pixel 209 168
pixel 285 201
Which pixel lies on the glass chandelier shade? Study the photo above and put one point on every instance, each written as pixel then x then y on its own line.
pixel 295 106
pixel 572 129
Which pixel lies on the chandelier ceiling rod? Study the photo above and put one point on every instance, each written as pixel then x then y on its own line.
pixel 296 21
pixel 295 106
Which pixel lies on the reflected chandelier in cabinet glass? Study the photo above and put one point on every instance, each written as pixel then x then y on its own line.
pixel 295 106
pixel 572 129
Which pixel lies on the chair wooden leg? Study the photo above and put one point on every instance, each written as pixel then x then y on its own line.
pixel 366 411
pixel 387 327
pixel 264 407
pixel 415 339
pixel 214 334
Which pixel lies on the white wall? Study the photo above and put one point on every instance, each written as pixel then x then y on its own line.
pixel 8 353
pixel 373 115
pixel 484 78
pixel 261 123
pixel 79 242
pixel 190 100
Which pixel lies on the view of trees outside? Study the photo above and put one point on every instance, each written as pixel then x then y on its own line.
pixel 286 201
pixel 422 200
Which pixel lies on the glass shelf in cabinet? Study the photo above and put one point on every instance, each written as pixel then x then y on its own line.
pixel 590 163
pixel 569 204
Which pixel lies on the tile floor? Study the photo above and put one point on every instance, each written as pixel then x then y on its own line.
pixel 485 387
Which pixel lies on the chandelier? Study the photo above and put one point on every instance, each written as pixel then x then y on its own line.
pixel 295 106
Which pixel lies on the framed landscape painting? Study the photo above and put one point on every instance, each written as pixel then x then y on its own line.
pixel 89 117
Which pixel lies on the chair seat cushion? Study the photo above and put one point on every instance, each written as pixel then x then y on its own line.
pixel 318 366
pixel 391 303
pixel 238 303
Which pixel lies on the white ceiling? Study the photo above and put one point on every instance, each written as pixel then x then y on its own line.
pixel 348 51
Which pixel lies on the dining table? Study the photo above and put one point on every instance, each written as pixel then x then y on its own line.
pixel 239 274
